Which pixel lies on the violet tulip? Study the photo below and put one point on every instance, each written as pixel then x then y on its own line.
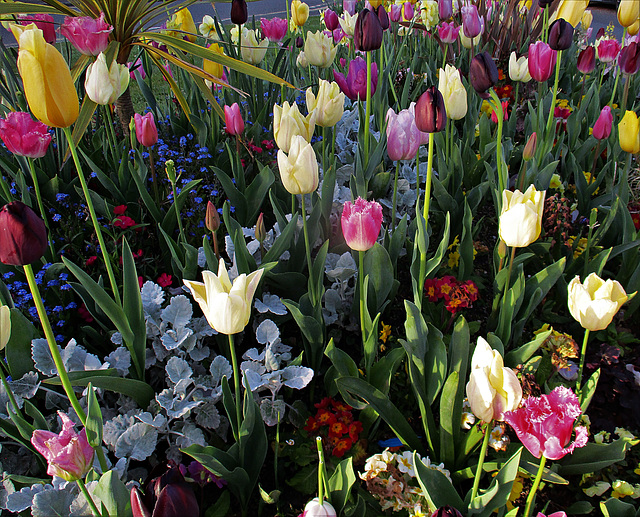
pixel 361 223
pixel 349 6
pixel 395 12
pixel 431 114
pixel 560 35
pixel 542 61
pixel 88 35
pixel 408 12
pixel 331 20
pixel 233 119
pixel 44 22
pixel 354 85
pixel 68 454
pixel 274 30
pixel 368 31
pixel 629 59
pixel 146 131
pixel 448 32
pixel 445 9
pixel 168 495
pixel 471 23
pixel 403 136
pixel 483 73
pixel 607 49
pixel 544 424
pixel 383 17
pixel 602 127
pixel 23 235
pixel 587 60
pixel 24 136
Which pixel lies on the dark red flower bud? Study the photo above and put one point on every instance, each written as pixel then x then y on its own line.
pixel 239 13
pixel 299 42
pixel 431 114
pixel 446 511
pixel 587 60
pixel 168 495
pixel 560 34
pixel 211 219
pixel 23 235
pixel 138 507
pixel 383 17
pixel 629 59
pixel 483 73
pixel 368 31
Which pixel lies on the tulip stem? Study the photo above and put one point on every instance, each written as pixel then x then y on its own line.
pixel 395 195
pixel 94 217
pixel 425 212
pixel 236 386
pixel 536 482
pixel 324 146
pixel 112 133
pixel 307 247
pixel 502 181
pixel 362 308
pixel 583 353
pixel 36 187
pixel 625 95
pixel 320 471
pixel 483 453
pixel 367 112
pixel 615 85
pixel 92 504
pixel 555 94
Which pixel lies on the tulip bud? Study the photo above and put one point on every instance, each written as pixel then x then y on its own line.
pixel 520 221
pixel 542 61
pixel 299 12
pixel 170 169
pixel 431 113
pixel 530 147
pixel 212 218
pixel 395 12
pixel 453 91
pixel 632 30
pixel 587 18
pixel 502 250
pixel 628 12
pixel 349 6
pixel 408 11
pixel 445 9
pixel 602 127
pixel 24 136
pixel 471 23
pixel 23 235
pixel 368 31
pixel 233 119
pixel 299 42
pixel 446 511
pixel 629 59
pixel 560 35
pixel 146 131
pixel 383 17
pixel 587 60
pixel 239 13
pixel 260 231
pixel 483 73
pixel 104 85
pixel 44 22
pixel 331 20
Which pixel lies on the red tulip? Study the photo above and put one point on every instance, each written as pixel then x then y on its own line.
pixel 89 35
pixel 146 131
pixel 24 136
pixel 431 114
pixel 587 60
pixel 23 235
pixel 602 127
pixel 629 59
pixel 542 60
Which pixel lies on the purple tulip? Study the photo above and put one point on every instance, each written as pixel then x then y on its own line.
pixel 445 9
pixel 587 60
pixel 407 11
pixel 331 20
pixel 395 13
pixel 89 36
pixel 483 73
pixel 602 127
pixel 542 61
pixel 403 136
pixel 24 136
pixel 349 6
pixel 471 23
pixel 629 59
pixel 354 85
pixel 23 240
pixel 448 32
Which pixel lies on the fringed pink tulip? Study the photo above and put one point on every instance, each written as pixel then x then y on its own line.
pixel 24 136
pixel 89 36
pixel 361 223
pixel 233 119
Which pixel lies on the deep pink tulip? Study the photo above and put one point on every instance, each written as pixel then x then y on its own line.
pixel 395 12
pixel 629 59
pixel 445 9
pixel 448 32
pixel 331 20
pixel 587 60
pixel 146 131
pixel 68 454
pixel 23 235
pixel 602 127
pixel 44 22
pixel 471 22
pixel 403 136
pixel 542 61
pixel 89 36
pixel 338 35
pixel 233 119
pixel 24 136
pixel 274 29
pixel 544 424
pixel 354 85
pixel 608 50
pixel 361 223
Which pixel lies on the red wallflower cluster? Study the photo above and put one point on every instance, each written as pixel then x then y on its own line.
pixel 456 295
pixel 335 422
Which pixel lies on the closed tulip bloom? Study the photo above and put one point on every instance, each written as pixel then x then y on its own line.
pixel 47 81
pixel 607 49
pixel 288 123
pixel 471 22
pixel 403 136
pixel 226 306
pixel 483 73
pixel 453 92
pixel 368 31
pixel 602 127
pixel 233 119
pixel 253 51
pixel 44 22
pixel 492 389
pixel 68 454
pixel 529 150
pixel 211 67
pixel 521 217
pixel 469 43
pixel 628 12
pixel 587 60
pixel 328 104
pixel 146 131
pixel 383 16
pixel 105 84
pixel 354 85
pixel 586 20
pixel 629 133
pixel 88 35
pixel 299 12
pixel 448 32
pixel 629 59
pixel 314 509
pixel 571 11
pixel 446 511
pixel 168 495
pixel 542 61
pixel 560 35
pixel 445 9
pixel 361 222
pixel 183 25
pixel 330 19
pixel 212 218
pixel 23 235
pixel 299 169
pixel 319 49
pixel 348 23
pixel 274 30
pixel 395 13
pixel 519 68
pixel 431 114
pixel 239 13
pixel 595 303
pixel 24 136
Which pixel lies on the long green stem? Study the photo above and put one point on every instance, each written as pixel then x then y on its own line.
pixel 618 72
pixel 583 353
pixel 395 195
pixel 324 148
pixel 43 214
pixel 236 385
pixel 367 111
pixel 425 212
pixel 92 504
pixel 320 470
pixel 555 94
pixel 483 453
pixel 94 217
pixel 308 250
pixel 362 305
pixel 502 180
pixel 536 483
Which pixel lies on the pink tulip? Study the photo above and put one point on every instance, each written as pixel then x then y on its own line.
pixel 445 9
pixel 354 85
pixel 89 36
pixel 608 50
pixel 146 131
pixel 274 30
pixel 136 66
pixel 44 22
pixel 602 127
pixel 544 424
pixel 68 454
pixel 24 136
pixel 338 35
pixel 554 514
pixel 407 11
pixel 471 22
pixel 395 12
pixel 361 223
pixel 331 20
pixel 403 136
pixel 542 61
pixel 448 32
pixel 233 119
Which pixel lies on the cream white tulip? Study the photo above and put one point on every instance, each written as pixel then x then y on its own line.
pixel 595 303
pixel 253 51
pixel 289 122
pixel 521 217
pixel 453 92
pixel 519 68
pixel 104 84
pixel 5 325
pixel 328 105
pixel 319 49
pixel 299 169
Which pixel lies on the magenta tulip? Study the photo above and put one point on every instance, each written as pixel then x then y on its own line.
pixel 448 32
pixel 403 136
pixel 587 60
pixel 274 29
pixel 24 136
pixel 349 6
pixel 395 12
pixel 68 454
pixel 608 50
pixel 354 85
pixel 136 66
pixel 23 235
pixel 471 22
pixel 233 119
pixel 542 60
pixel 146 131
pixel 331 20
pixel 44 22
pixel 602 127
pixel 445 9
pixel 89 36
pixel 361 223
pixel 408 11
pixel 629 59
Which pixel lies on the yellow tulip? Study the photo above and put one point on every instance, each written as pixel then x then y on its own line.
pixel 289 122
pixel 632 30
pixel 299 169
pixel 299 12
pixel 211 67
pixel 183 21
pixel 628 12
pixel 319 49
pixel 629 133
pixel 521 217
pixel 595 303
pixel 453 92
pixel 328 105
pixel 375 3
pixel 47 81
pixel 587 18
pixel 571 11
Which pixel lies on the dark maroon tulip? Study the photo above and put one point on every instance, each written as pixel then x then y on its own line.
pixel 368 31
pixel 168 495
pixel 600 33
pixel 446 511
pixel 299 42
pixel 23 235
pixel 587 60
pixel 239 13
pixel 629 59
pixel 544 3
pixel 483 73
pixel 383 17
pixel 331 20
pixel 560 35
pixel 431 114
pixel 445 9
